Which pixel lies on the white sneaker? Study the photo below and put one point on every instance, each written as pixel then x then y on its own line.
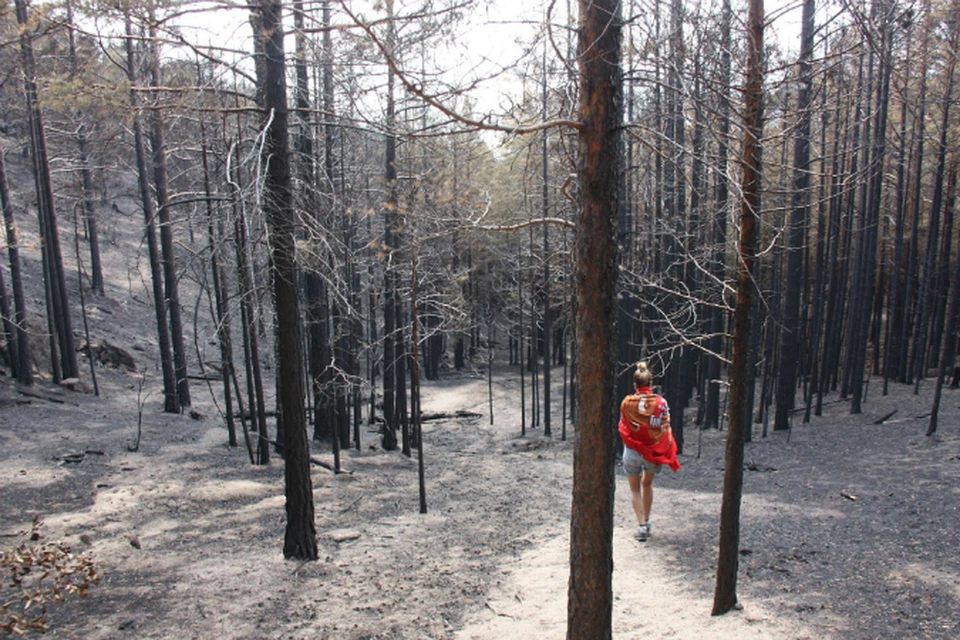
pixel 643 532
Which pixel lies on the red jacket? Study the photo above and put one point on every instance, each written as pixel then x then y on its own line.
pixel 645 427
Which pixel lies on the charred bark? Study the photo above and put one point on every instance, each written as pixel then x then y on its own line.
pixel 590 596
pixel 300 536
pixel 725 596
pixel 21 359
pixel 790 336
pixel 171 403
pixel 63 354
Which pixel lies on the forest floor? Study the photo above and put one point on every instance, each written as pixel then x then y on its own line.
pixel 850 528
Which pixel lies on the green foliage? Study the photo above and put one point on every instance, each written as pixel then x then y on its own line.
pixel 37 574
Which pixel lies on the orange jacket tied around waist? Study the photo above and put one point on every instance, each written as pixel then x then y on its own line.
pixel 645 427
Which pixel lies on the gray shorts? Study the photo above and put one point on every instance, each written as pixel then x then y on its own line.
pixel 634 463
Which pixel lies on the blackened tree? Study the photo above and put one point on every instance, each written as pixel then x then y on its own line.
pixel 590 596
pixel 300 537
pixel 725 595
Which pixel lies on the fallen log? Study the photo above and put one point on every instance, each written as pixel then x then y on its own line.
pixel 444 415
pixel 212 377
pixel 883 419
pixel 35 394
pixel 267 414
pixel 825 404
pixel 328 466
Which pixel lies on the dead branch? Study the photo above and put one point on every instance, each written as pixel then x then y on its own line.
pixel 483 124
pixel 523 225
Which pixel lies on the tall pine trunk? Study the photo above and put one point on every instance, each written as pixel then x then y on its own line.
pixel 590 595
pixel 894 298
pixel 547 320
pixel 816 328
pixel 725 595
pixel 790 334
pixel 948 348
pixel 877 154
pixel 942 288
pixel 719 239
pixel 23 360
pixel 170 402
pixel 259 450
pixel 300 537
pixel 918 357
pixel 391 342
pixel 86 177
pixel 171 288
pixel 221 311
pixel 908 321
pixel 63 355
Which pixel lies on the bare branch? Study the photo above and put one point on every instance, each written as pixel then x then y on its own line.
pixel 483 124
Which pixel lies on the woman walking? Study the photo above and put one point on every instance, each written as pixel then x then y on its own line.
pixel 648 444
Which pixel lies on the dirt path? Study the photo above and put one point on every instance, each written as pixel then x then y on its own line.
pixel 850 529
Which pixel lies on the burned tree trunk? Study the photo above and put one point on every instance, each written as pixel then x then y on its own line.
pixel 719 235
pixel 167 251
pixel 866 273
pixel 86 178
pixel 63 355
pixel 790 336
pixel 725 596
pixel 300 537
pixel 948 348
pixel 919 356
pixel 221 310
pixel 590 595
pixel 22 361
pixel 170 402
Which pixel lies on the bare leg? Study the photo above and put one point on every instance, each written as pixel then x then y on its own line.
pixel 646 497
pixel 636 498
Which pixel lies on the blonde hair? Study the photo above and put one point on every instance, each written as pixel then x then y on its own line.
pixel 642 377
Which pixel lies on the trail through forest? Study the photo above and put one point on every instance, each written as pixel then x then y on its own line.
pixel 392 207
pixel 849 527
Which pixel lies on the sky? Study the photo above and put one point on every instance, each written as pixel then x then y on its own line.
pixel 487 44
